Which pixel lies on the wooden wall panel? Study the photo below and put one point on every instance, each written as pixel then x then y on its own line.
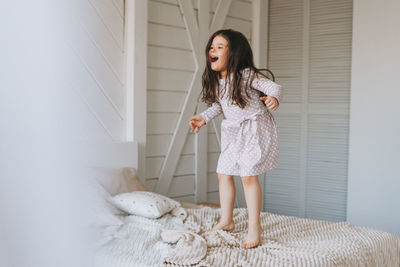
pixel 98 61
pixel 171 67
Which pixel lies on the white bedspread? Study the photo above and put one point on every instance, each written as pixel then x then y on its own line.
pixel 286 241
pixel 138 242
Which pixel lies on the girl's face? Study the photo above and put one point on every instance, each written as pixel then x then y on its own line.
pixel 219 53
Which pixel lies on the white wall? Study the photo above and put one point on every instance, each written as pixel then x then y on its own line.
pixel 98 64
pixel 374 161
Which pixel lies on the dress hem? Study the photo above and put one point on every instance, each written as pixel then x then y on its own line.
pixel 243 175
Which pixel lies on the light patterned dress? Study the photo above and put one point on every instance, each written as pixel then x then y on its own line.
pixel 249 138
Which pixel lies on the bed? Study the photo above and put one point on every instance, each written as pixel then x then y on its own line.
pixel 177 238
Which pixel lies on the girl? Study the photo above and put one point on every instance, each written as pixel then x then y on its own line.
pixel 249 143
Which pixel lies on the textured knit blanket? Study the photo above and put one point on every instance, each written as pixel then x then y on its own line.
pixel 285 241
pixel 137 242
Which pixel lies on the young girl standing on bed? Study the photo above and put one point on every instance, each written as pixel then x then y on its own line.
pixel 249 142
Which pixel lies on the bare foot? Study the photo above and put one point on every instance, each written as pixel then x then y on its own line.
pixel 224 226
pixel 253 237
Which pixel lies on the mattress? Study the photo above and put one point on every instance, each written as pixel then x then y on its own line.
pixel 285 241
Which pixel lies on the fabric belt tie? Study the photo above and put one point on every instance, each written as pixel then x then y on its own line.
pixel 249 124
pixel 232 123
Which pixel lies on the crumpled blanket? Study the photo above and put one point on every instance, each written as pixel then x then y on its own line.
pixel 137 242
pixel 285 241
pixel 190 248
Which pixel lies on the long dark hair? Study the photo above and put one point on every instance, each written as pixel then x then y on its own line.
pixel 240 57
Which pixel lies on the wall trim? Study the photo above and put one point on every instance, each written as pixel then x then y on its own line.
pixel 136 77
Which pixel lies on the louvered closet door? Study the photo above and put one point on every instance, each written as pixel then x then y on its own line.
pixel 309 50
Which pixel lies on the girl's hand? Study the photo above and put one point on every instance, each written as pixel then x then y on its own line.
pixel 196 121
pixel 271 102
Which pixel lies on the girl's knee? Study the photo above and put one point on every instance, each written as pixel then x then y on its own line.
pixel 249 180
pixel 222 177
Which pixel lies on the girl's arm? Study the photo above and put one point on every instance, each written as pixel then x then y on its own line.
pixel 211 112
pixel 268 87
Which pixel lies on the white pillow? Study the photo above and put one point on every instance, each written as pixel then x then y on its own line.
pixel 145 203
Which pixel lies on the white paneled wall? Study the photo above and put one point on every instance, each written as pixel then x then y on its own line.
pixel 98 64
pixel 170 71
pixel 310 54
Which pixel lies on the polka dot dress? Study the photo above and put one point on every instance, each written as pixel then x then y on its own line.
pixel 249 139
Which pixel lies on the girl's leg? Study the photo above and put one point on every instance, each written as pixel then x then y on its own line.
pixel 253 195
pixel 227 192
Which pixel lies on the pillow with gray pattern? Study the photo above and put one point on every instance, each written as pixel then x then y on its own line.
pixel 145 203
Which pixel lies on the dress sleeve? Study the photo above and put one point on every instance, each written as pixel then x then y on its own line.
pixel 211 112
pixel 268 87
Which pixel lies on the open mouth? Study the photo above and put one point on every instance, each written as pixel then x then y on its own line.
pixel 213 59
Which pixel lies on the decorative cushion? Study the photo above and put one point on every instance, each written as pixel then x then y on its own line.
pixel 145 203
